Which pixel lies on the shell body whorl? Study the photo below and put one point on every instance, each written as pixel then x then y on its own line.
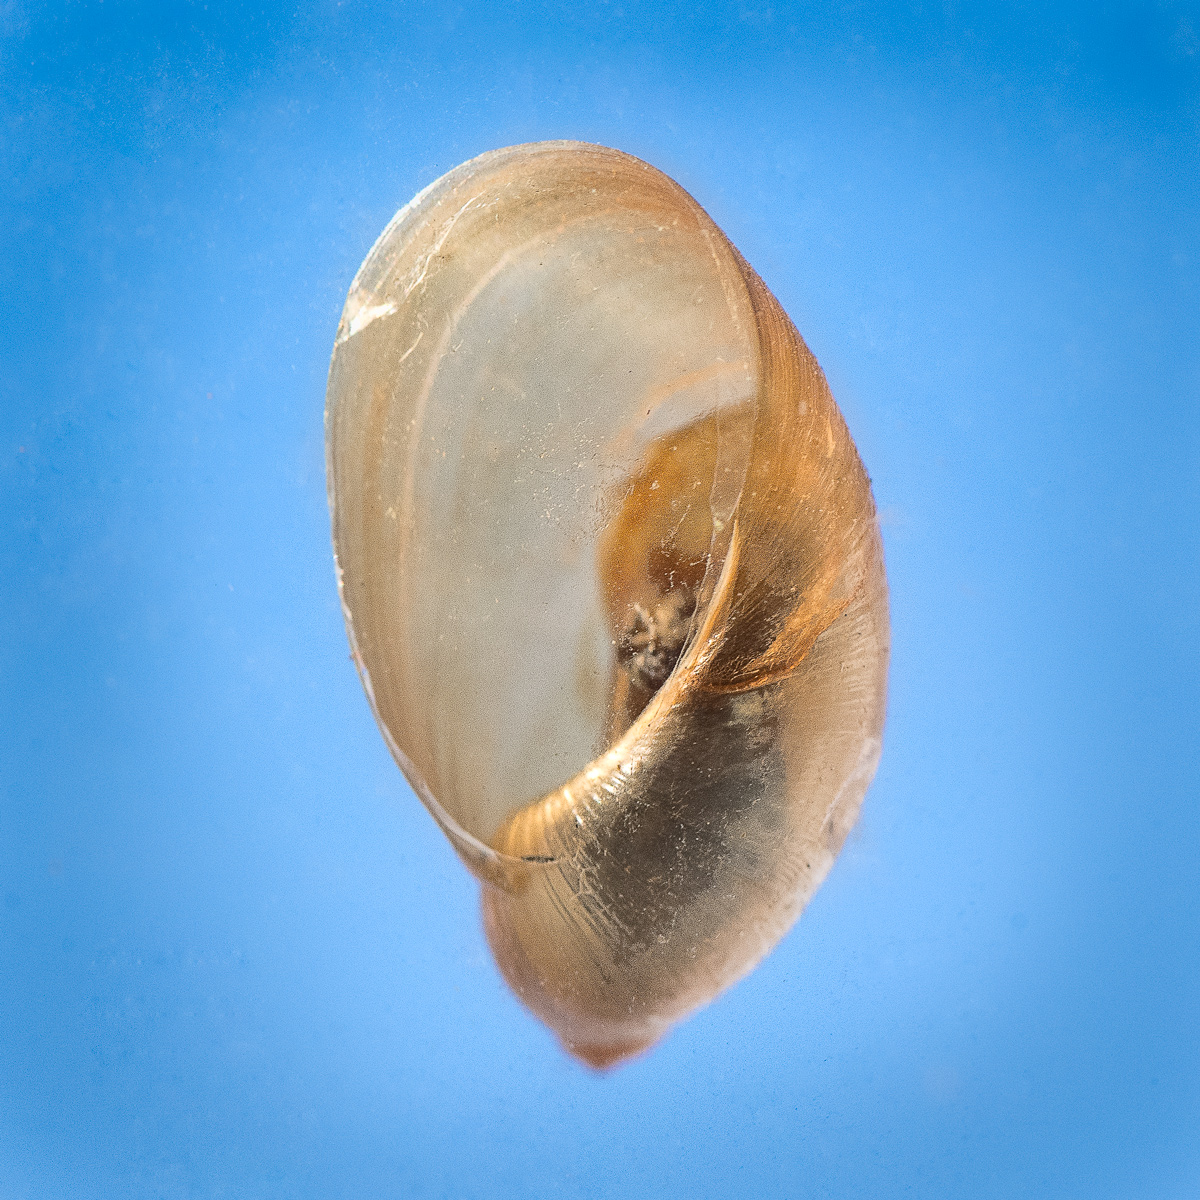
pixel 612 577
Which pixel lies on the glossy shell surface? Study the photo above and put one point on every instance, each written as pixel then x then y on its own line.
pixel 612 577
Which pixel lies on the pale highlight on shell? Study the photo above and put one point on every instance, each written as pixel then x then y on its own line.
pixel 612 577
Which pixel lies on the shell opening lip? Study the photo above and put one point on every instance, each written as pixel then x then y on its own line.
pixel 491 866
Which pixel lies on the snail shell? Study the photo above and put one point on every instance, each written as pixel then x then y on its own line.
pixel 612 578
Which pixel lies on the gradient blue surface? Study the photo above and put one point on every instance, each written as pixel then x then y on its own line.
pixel 237 959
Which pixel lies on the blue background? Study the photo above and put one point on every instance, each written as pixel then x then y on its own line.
pixel 236 957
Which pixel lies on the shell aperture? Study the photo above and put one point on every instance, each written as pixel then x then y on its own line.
pixel 612 578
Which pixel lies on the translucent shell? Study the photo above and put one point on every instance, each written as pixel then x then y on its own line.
pixel 612 577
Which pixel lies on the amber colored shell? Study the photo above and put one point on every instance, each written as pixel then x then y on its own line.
pixel 612 578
